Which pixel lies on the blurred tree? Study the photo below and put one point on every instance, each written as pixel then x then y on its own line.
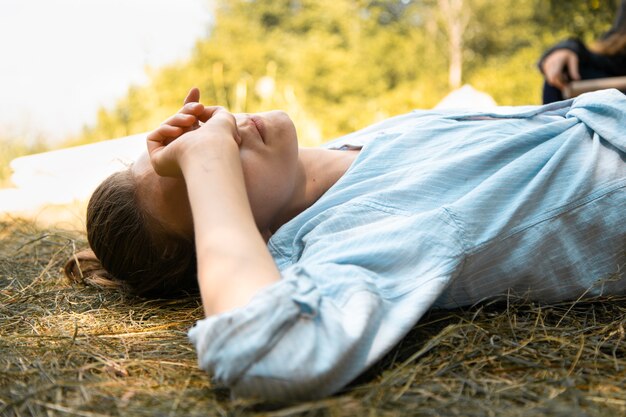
pixel 584 19
pixel 338 65
pixel 455 18
pixel 13 147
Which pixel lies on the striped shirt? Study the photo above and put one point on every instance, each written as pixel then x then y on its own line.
pixel 440 209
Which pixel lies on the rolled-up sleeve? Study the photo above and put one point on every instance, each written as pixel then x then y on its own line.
pixel 300 340
pixel 291 341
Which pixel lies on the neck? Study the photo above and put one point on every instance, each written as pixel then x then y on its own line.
pixel 318 170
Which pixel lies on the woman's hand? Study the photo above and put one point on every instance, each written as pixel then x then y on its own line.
pixel 182 136
pixel 560 67
pixel 187 119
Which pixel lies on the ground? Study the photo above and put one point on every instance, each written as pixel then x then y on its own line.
pixel 68 350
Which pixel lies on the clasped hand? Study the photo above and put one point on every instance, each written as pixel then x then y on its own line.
pixel 560 67
pixel 196 130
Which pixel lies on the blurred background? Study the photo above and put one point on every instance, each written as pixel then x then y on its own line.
pixel 76 72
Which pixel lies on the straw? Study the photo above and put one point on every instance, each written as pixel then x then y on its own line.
pixel 69 350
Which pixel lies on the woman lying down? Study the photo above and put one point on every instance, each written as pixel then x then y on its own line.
pixel 313 262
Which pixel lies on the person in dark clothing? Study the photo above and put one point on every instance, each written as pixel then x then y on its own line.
pixel 571 59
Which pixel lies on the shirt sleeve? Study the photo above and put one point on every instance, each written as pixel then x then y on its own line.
pixel 297 341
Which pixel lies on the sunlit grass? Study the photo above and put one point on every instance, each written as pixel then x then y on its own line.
pixel 71 350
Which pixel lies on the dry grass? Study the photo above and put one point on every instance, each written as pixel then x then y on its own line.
pixel 78 352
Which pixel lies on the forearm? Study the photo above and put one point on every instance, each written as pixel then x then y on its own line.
pixel 233 260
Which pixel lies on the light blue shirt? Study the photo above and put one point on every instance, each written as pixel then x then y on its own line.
pixel 440 209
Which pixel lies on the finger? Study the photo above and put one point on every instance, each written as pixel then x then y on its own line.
pixel 193 96
pixel 555 66
pixel 164 135
pixel 181 120
pixel 156 136
pixel 171 132
pixel 209 111
pixel 192 108
pixel 220 116
pixel 558 81
pixel 154 142
pixel 555 76
pixel 572 66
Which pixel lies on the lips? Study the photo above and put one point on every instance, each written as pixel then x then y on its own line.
pixel 259 125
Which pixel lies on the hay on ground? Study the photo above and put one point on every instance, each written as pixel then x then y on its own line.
pixel 75 351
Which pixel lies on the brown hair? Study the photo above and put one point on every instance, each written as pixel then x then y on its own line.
pixel 131 251
pixel 614 41
pixel 612 45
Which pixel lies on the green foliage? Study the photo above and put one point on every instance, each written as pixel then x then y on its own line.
pixel 338 65
pixel 510 80
pixel 585 19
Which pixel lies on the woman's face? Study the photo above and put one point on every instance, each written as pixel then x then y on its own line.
pixel 269 156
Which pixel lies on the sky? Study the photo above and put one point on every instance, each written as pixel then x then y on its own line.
pixel 60 60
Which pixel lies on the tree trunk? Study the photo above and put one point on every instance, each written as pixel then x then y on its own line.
pixel 455 18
